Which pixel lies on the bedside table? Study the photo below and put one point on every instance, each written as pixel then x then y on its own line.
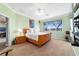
pixel 20 39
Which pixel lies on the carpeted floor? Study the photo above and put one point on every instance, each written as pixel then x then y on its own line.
pixel 76 49
pixel 52 48
pixel 2 46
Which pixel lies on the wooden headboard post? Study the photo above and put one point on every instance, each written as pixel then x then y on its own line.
pixel 25 31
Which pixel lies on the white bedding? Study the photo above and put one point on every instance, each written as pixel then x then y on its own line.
pixel 35 36
pixel 32 36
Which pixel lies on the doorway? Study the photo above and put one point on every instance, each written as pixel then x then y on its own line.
pixel 3 32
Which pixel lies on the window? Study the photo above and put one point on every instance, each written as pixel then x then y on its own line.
pixel 53 25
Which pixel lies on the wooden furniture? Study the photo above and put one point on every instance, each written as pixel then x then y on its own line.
pixel 20 39
pixel 42 39
pixel 25 31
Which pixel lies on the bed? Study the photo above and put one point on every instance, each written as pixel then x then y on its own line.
pixel 39 39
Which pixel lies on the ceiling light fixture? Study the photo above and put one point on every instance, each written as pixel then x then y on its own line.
pixel 40 12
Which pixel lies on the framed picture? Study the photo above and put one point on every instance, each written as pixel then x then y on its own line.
pixel 31 23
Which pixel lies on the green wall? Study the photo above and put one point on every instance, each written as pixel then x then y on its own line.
pixel 21 22
pixel 66 26
pixel 16 21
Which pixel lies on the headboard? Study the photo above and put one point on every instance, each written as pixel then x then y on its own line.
pixel 25 30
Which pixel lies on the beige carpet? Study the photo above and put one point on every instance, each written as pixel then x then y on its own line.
pixel 2 45
pixel 52 48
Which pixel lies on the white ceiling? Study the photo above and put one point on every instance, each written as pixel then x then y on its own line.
pixel 48 9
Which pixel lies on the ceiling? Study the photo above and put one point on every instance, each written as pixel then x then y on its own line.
pixel 41 10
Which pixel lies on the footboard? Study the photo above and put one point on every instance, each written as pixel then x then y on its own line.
pixel 42 39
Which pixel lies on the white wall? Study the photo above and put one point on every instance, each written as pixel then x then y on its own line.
pixel 37 28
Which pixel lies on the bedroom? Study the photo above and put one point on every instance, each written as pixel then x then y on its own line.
pixel 47 21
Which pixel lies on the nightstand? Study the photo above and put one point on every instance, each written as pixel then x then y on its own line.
pixel 20 39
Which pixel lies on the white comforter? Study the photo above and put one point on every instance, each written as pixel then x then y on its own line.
pixel 32 36
pixel 35 36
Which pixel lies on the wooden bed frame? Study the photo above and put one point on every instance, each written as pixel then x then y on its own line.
pixel 41 40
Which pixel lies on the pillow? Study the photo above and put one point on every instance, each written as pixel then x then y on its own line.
pixel 31 30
